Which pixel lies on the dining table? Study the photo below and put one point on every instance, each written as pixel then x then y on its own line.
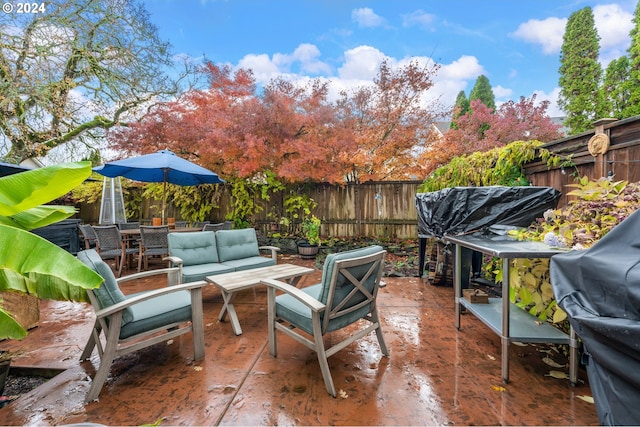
pixel 135 232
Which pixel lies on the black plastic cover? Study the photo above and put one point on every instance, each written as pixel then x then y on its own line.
pixel 599 289
pixel 462 209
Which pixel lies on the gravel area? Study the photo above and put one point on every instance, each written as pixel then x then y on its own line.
pixel 17 385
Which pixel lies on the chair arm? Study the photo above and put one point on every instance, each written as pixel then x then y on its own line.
pixel 108 311
pixel 148 273
pixel 298 294
pixel 274 251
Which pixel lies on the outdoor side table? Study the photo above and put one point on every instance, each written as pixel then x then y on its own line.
pixel 230 283
pixel 507 320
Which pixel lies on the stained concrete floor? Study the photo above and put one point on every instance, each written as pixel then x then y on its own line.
pixel 435 375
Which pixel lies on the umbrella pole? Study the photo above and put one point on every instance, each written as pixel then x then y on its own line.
pixel 164 197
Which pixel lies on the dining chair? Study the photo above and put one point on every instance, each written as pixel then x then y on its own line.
pixel 127 323
pixel 346 294
pixel 200 224
pixel 89 236
pixel 130 241
pixel 128 225
pixel 182 224
pixel 153 242
pixel 112 246
pixel 213 227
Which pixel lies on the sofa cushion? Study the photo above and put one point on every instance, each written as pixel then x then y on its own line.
pixel 194 248
pixel 249 263
pixel 237 244
pixel 109 292
pixel 192 273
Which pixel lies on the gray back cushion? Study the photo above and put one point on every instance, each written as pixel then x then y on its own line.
pixel 358 271
pixel 237 244
pixel 109 292
pixel 194 248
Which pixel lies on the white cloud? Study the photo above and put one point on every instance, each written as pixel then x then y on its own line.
pixel 613 25
pixel 547 33
pixel 553 110
pixel 502 92
pixel 366 18
pixel 420 18
pixel 464 68
pixel 264 69
pixel 361 63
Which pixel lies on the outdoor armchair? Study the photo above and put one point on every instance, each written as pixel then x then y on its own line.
pixel 129 323
pixel 346 294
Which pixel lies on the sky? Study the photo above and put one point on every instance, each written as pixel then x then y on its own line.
pixel 515 44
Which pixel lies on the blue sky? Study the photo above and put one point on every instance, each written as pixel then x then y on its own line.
pixel 516 44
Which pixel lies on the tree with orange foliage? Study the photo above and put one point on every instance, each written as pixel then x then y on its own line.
pixel 295 132
pixel 481 129
pixel 388 124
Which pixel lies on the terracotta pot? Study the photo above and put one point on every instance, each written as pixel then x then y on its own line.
pixel 157 222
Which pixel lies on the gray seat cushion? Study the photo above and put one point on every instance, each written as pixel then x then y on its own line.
pixel 158 312
pixel 193 273
pixel 249 263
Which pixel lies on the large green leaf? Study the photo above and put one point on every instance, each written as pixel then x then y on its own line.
pixel 26 190
pixel 9 327
pixel 38 217
pixel 33 265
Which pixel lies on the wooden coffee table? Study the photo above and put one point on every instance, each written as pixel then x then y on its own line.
pixel 230 283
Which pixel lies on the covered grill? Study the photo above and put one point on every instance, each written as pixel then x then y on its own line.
pixel 460 210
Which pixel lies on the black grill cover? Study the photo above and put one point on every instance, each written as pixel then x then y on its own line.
pixel 599 289
pixel 462 209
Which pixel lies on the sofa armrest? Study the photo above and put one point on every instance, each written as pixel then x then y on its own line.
pixel 274 251
pixel 176 262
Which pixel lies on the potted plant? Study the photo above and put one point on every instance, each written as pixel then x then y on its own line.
pixel 308 248
pixel 30 264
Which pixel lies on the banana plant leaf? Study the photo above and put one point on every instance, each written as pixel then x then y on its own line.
pixel 28 263
pixel 33 265
pixel 38 217
pixel 9 327
pixel 26 190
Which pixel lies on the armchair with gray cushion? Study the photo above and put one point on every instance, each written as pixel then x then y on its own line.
pixel 346 295
pixel 127 323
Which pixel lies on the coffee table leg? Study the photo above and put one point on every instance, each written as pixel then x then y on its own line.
pixel 230 309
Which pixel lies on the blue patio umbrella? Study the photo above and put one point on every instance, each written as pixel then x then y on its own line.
pixel 163 166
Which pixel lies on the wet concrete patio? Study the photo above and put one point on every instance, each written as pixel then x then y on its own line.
pixel 435 375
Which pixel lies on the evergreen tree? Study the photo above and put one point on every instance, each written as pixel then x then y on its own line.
pixel 633 106
pixel 460 108
pixel 615 88
pixel 580 72
pixel 482 91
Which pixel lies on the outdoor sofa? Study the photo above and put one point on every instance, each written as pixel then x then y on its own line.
pixel 205 253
